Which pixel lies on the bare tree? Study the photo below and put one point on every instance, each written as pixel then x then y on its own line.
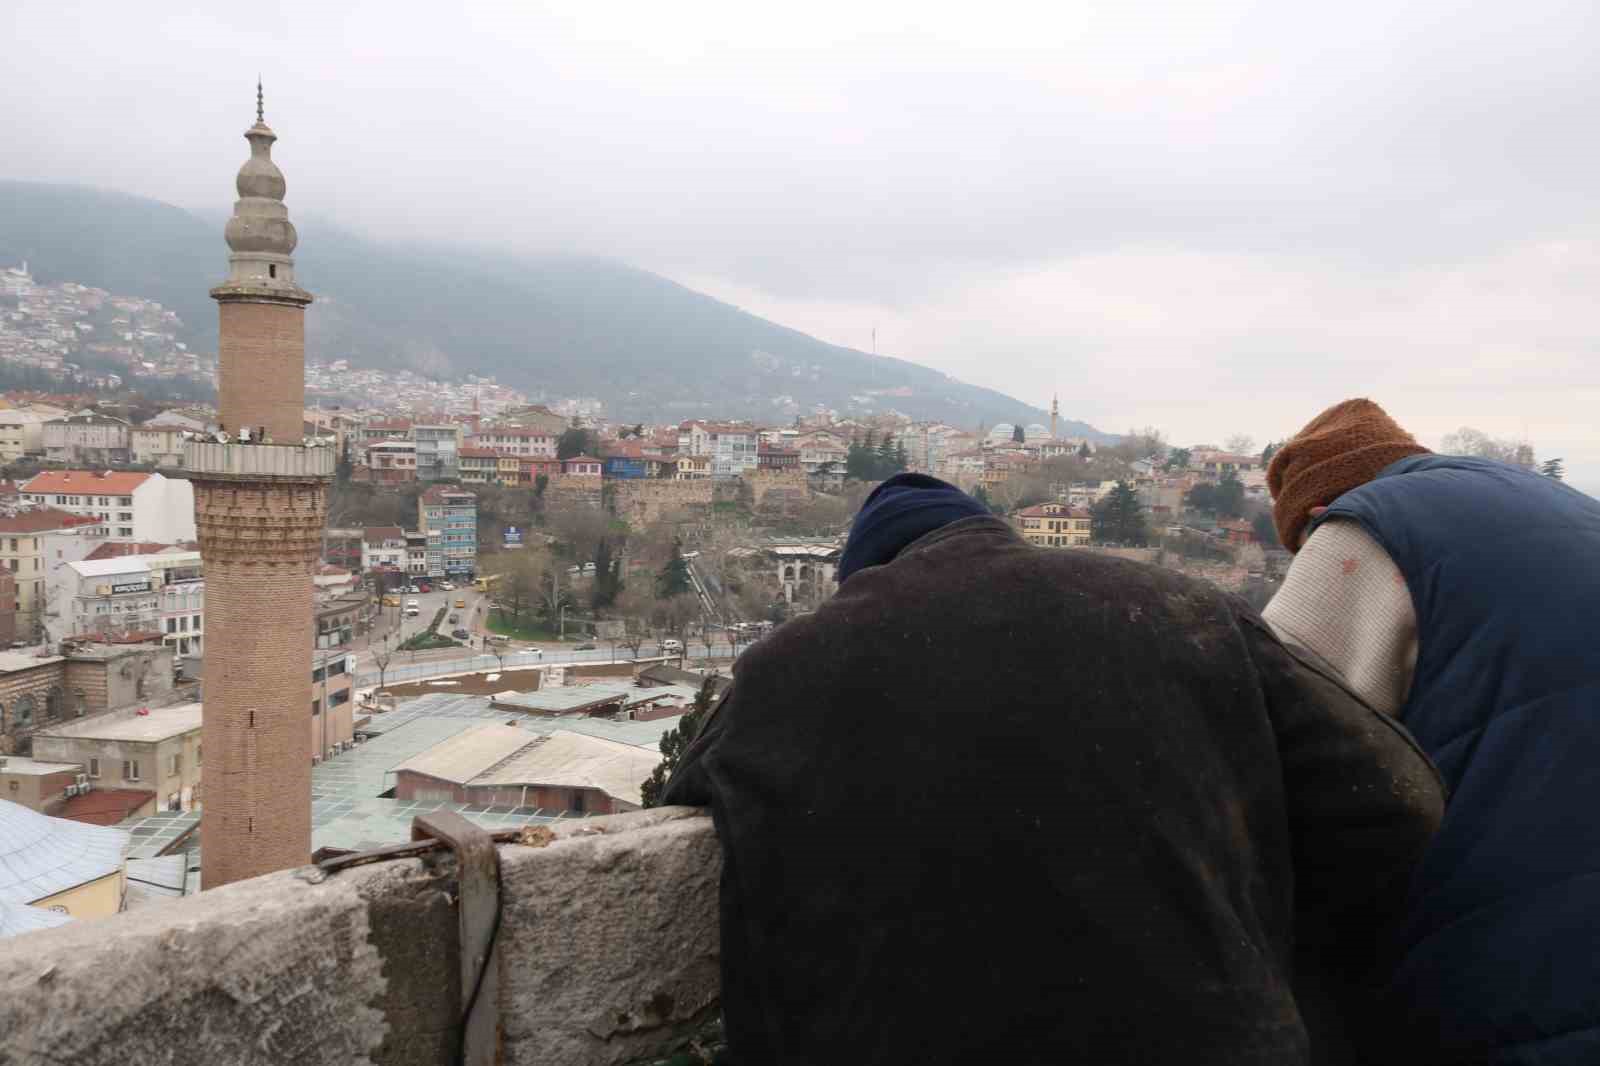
pixel 1241 444
pixel 1475 442
pixel 706 639
pixel 382 656
pixel 634 632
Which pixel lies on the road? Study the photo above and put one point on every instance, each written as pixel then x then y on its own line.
pixel 415 665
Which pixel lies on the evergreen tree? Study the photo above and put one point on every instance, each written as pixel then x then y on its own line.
pixel 673 580
pixel 981 494
pixel 883 459
pixel 574 441
pixel 1084 452
pixel 1177 459
pixel 1269 451
pixel 901 460
pixel 1230 495
pixel 1552 468
pixel 674 742
pixel 1119 518
pixel 1019 434
pixel 607 576
pixel 540 483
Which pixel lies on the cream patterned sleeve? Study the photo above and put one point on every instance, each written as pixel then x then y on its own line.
pixel 1345 600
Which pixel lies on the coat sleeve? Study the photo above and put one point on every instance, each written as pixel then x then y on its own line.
pixel 1363 803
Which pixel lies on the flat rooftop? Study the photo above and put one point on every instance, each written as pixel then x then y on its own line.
pixel 160 724
pixel 24 767
pixel 12 661
pixel 348 809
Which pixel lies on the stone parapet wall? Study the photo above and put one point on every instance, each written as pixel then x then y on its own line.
pixel 608 953
pixel 643 502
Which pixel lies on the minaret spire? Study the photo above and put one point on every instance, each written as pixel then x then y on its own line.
pixel 260 109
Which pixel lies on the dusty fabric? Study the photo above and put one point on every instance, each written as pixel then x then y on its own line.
pixel 1346 601
pixel 1501 946
pixel 1345 446
pixel 997 804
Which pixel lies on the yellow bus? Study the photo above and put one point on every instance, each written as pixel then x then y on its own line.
pixel 487 582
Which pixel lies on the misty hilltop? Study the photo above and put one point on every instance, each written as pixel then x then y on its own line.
pixel 551 326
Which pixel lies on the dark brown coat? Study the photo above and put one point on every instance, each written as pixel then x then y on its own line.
pixel 997 804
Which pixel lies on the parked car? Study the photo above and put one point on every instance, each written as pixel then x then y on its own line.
pixel 460 634
pixel 412 612
pixel 423 586
pixel 460 604
pixel 671 646
pixel 414 603
pixel 412 588
pixel 497 639
pixel 584 647
pixel 447 586
pixel 454 618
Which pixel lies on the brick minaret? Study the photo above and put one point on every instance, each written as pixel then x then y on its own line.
pixel 260 499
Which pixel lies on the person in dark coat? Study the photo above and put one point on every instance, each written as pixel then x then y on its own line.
pixel 1463 594
pixel 999 804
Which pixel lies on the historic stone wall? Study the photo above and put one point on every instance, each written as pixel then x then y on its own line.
pixel 29 699
pixel 643 502
pixel 608 953
pixel 778 490
pixel 564 492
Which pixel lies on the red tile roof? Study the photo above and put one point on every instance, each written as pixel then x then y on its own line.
pixel 37 521
pixel 104 806
pixel 117 551
pixel 103 482
pixel 374 534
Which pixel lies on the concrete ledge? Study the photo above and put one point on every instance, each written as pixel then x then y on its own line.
pixel 608 950
pixel 290 462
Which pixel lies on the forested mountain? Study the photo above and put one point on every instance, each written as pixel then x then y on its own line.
pixel 560 326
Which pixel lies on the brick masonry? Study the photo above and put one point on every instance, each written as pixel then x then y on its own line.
pixel 260 540
pixel 262 357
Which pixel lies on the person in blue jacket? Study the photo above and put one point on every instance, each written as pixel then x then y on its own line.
pixel 1463 596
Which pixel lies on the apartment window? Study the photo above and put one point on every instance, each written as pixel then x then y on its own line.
pixel 316 708
pixel 172 625
pixel 122 516
pixel 124 531
pixel 339 698
pixel 124 501
pixel 94 767
pixel 196 620
pixel 13 543
pixel 183 625
pixel 130 769
pixel 174 764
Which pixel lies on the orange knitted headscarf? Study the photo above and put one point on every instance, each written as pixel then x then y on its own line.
pixel 1345 446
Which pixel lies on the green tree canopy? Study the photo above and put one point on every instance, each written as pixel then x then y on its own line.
pixel 574 441
pixel 1119 518
pixel 673 578
pixel 673 745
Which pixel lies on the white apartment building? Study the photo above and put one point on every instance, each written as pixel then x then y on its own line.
pixel 104 597
pixel 509 440
pixel 733 448
pixel 87 438
pixel 159 443
pixel 133 506
pixel 383 548
pixel 21 433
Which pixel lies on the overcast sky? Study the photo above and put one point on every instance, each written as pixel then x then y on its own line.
pixel 1209 217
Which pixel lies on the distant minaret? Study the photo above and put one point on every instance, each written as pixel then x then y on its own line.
pixel 260 501
pixel 1055 412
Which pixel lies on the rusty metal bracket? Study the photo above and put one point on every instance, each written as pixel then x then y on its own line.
pixel 478 908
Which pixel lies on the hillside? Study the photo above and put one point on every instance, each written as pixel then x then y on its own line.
pixel 558 326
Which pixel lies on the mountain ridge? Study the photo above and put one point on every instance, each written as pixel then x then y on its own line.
pixel 549 325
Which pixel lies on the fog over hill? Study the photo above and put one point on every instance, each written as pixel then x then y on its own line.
pixel 560 326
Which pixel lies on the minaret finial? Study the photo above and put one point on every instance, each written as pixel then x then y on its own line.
pixel 260 111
